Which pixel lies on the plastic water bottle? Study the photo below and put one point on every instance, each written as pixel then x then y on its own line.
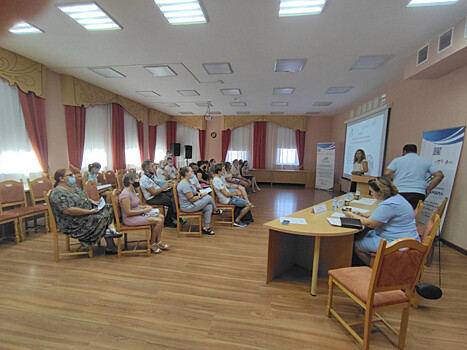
pixel 347 199
pixel 334 204
pixel 357 194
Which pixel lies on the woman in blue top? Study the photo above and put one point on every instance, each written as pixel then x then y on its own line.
pixel 91 175
pixel 392 219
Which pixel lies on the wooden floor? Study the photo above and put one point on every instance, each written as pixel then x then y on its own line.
pixel 204 293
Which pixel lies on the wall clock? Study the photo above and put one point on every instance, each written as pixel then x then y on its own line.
pixel 213 135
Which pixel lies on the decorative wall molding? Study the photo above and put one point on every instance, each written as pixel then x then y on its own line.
pixel 294 122
pixel 193 121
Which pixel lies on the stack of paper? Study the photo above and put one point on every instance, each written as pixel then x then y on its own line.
pixel 365 201
pixel 100 187
pixel 335 222
pixel 205 190
pixel 298 221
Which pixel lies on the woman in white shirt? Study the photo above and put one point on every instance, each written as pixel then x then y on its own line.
pixel 360 166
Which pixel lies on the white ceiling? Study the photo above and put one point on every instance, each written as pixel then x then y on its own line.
pixel 248 34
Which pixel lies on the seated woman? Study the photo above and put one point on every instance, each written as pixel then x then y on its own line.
pixel 133 214
pixel 194 179
pixel 235 171
pixel 232 185
pixel 203 176
pixel 244 171
pixel 91 175
pixel 190 200
pixel 392 219
pixel 77 216
pixel 360 166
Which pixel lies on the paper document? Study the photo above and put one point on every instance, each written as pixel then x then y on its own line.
pixel 338 215
pixel 205 190
pixel 298 221
pixel 100 187
pixel 153 211
pixel 335 222
pixel 361 210
pixel 101 204
pixel 365 201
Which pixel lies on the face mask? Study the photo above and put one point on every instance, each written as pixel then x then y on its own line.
pixel 136 184
pixel 192 176
pixel 162 166
pixel 71 181
pixel 170 164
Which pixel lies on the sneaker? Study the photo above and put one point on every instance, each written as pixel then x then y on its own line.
pixel 113 234
pixel 238 223
pixel 219 212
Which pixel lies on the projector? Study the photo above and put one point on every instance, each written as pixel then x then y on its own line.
pixel 207 117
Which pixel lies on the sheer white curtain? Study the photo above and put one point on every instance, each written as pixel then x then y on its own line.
pixel 98 137
pixel 281 147
pixel 187 136
pixel 241 144
pixel 17 158
pixel 132 157
pixel 161 146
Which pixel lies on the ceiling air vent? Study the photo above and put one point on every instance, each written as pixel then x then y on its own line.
pixel 445 40
pixel 422 55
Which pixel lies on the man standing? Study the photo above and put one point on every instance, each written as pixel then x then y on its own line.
pixel 410 173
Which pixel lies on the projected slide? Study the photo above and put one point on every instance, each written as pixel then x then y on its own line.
pixel 369 134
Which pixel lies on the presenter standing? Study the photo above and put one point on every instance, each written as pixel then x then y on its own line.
pixel 360 166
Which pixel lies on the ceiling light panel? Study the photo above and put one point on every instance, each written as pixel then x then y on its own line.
pixel 148 93
pixel 300 8
pixel 283 91
pixel 370 62
pixel 161 71
pixel 218 68
pixel 322 104
pixel 238 104
pixel 107 72
pixel 179 12
pixel 289 66
pixel 90 16
pixel 231 91
pixel 338 89
pixel 279 104
pixel 22 28
pixel 188 92
pixel 168 104
pixel 203 104
pixel 416 3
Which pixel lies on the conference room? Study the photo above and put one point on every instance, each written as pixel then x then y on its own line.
pixel 298 108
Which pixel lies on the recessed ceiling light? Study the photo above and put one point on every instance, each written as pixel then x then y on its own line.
pixel 203 104
pixel 322 104
pixel 370 62
pixel 312 112
pixel 90 16
pixel 188 92
pixel 289 66
pixel 301 8
pixel 243 112
pixel 186 112
pixel 168 104
pixel 338 89
pixel 107 72
pixel 279 104
pixel 238 104
pixel 25 28
pixel 283 91
pixel 415 3
pixel 231 91
pixel 218 68
pixel 148 93
pixel 182 11
pixel 277 112
pixel 161 71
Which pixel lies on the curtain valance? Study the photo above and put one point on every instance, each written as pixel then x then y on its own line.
pixel 294 122
pixel 193 121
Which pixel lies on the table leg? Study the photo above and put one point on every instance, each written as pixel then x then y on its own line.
pixel 314 274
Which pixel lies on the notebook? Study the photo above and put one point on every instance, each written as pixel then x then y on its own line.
pixel 351 223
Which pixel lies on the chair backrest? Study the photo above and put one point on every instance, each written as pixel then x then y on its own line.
pixel 52 223
pixel 176 198
pixel 120 181
pixel 116 207
pixel 90 187
pixel 431 227
pixel 121 171
pixel 79 180
pixel 212 191
pixel 101 178
pixel 12 194
pixel 37 187
pixel 398 266
pixel 418 211
pixel 441 207
pixel 110 178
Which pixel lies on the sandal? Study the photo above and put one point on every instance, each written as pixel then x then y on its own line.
pixel 155 249
pixel 208 231
pixel 163 246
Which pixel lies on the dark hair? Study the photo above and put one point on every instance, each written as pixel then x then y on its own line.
pixel 191 165
pixel 169 158
pixel 183 171
pixel 410 148
pixel 228 165
pixel 355 160
pixel 212 160
pixel 94 165
pixel 235 160
pixel 200 162
pixel 218 168
pixel 127 178
pixel 383 185
pixel 59 174
pixel 146 164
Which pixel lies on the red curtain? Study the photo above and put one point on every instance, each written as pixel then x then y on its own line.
pixel 140 131
pixel 75 128
pixel 300 136
pixel 34 118
pixel 118 137
pixel 171 135
pixel 202 143
pixel 259 145
pixel 225 143
pixel 152 141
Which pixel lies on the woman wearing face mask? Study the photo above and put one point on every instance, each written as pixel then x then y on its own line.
pixel 91 175
pixel 77 216
pixel 134 214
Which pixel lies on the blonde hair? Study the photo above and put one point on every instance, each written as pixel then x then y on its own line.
pixel 385 186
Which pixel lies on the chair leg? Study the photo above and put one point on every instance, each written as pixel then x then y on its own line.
pixel 403 327
pixel 56 246
pixel 67 243
pixel 367 329
pixel 119 247
pixel 331 290
pixel 200 227
pixel 90 252
pixel 415 300
pixel 148 235
pixel 232 212
pixel 178 225
pixel 20 234
pixel 17 231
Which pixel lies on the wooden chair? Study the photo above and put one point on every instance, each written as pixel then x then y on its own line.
pixel 142 201
pixel 120 227
pixel 13 197
pixel 56 233
pixel 397 268
pixel 121 171
pixel 418 211
pixel 90 187
pixel 120 181
pixel 440 211
pixel 37 187
pixel 79 180
pixel 181 214
pixel 111 178
pixel 101 178
pixel 6 218
pixel 226 207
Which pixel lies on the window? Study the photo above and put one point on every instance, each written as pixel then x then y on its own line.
pixel 241 144
pixel 281 144
pixel 161 146
pixel 232 155
pixel 286 156
pixel 132 156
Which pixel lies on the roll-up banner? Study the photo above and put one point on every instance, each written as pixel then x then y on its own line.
pixel 443 148
pixel 325 166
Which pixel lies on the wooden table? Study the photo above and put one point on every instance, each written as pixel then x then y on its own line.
pixel 329 247
pixel 283 176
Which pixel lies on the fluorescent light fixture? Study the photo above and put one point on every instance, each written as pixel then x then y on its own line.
pixel 238 104
pixel 203 104
pixel 301 8
pixel 279 104
pixel 312 113
pixel 416 3
pixel 338 89
pixel 182 11
pixel 90 16
pixel 24 28
pixel 243 112
pixel 169 104
pixel 148 93
pixel 218 68
pixel 277 112
pixel 107 72
pixel 370 62
pixel 161 71
pixel 322 104
pixel 186 112
pixel 289 66
pixel 283 91
pixel 188 92
pixel 231 91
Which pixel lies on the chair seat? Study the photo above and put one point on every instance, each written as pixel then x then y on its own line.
pixel 195 213
pixel 24 211
pixel 357 281
pixel 134 228
pixel 220 205
pixel 7 215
